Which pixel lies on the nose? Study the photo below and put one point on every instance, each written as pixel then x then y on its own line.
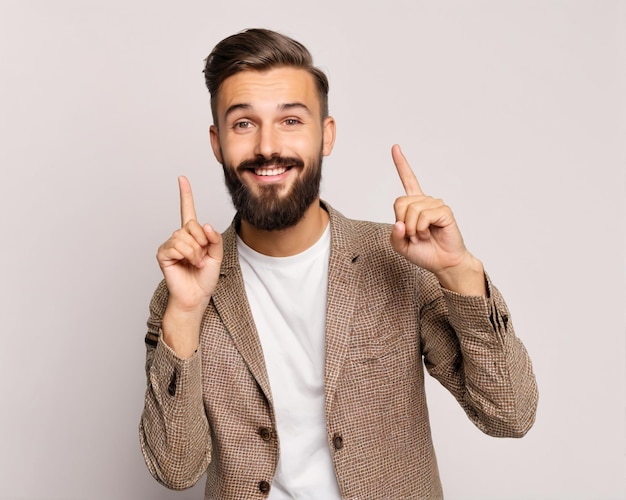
pixel 267 143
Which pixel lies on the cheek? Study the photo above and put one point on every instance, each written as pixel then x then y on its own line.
pixel 308 145
pixel 235 149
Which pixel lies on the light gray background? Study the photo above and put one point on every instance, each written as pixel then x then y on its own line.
pixel 512 111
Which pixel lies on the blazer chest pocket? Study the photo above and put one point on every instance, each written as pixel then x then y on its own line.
pixel 371 349
pixel 378 373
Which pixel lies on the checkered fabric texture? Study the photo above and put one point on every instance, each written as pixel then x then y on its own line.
pixel 386 320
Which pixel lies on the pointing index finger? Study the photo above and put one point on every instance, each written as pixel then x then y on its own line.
pixel 187 208
pixel 409 181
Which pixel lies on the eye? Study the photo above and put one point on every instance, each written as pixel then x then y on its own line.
pixel 292 121
pixel 243 124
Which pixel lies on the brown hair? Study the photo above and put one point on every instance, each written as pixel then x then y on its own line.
pixel 259 50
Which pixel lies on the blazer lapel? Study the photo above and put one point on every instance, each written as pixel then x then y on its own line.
pixel 232 306
pixel 343 285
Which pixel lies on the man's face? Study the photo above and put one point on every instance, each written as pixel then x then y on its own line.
pixel 270 140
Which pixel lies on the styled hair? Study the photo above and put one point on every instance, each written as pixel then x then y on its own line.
pixel 259 50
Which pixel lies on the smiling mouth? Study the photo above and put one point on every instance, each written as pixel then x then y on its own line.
pixel 268 168
pixel 267 172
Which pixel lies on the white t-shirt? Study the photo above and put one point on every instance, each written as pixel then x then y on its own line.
pixel 287 296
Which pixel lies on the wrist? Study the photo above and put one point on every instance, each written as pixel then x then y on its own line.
pixel 466 278
pixel 181 330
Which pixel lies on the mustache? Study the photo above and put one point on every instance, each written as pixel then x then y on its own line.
pixel 274 161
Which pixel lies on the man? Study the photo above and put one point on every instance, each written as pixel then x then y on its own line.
pixel 285 357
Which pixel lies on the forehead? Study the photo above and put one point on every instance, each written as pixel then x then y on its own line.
pixel 268 90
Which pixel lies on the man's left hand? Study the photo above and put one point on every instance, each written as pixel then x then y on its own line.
pixel 426 234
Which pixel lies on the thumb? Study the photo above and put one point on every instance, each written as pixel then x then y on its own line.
pixel 215 249
pixel 398 238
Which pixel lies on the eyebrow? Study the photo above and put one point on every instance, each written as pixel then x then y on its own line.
pixel 282 107
pixel 235 107
pixel 294 105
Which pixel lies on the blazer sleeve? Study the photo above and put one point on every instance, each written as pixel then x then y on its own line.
pixel 469 345
pixel 173 432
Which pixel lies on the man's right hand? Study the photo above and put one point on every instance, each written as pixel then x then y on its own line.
pixel 190 261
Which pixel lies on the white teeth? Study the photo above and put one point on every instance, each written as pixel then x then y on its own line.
pixel 270 171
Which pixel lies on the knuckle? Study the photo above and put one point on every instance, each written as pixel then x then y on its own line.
pixel 401 205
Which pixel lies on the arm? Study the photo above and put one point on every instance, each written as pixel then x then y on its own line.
pixel 470 346
pixel 468 340
pixel 174 431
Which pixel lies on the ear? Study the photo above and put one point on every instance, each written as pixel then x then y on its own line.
pixel 215 143
pixel 328 138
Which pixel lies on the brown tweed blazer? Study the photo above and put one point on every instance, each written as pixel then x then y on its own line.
pixel 385 320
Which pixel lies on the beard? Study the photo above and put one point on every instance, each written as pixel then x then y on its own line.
pixel 269 210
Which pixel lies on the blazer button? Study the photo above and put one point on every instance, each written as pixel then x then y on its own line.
pixel 264 487
pixel 337 441
pixel 265 433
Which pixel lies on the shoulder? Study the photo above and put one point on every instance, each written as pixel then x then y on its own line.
pixel 369 243
pixel 354 233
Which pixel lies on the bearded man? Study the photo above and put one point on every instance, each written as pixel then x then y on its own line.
pixel 285 358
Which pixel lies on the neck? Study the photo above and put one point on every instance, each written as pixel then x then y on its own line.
pixel 290 241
